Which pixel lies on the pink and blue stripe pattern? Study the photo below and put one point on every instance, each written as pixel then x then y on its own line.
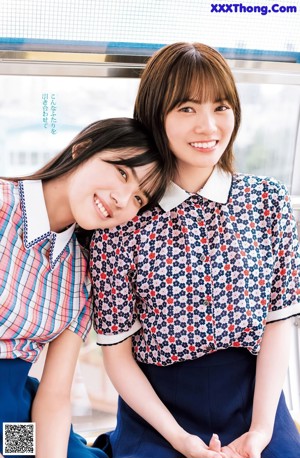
pixel 40 296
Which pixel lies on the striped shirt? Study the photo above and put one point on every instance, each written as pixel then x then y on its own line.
pixel 44 284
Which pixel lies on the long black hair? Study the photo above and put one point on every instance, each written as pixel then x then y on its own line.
pixel 127 137
pixel 133 146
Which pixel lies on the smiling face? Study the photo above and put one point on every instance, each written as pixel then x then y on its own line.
pixel 201 123
pixel 198 135
pixel 104 195
pixel 179 73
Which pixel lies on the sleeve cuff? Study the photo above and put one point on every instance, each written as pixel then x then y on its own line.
pixel 282 314
pixel 112 339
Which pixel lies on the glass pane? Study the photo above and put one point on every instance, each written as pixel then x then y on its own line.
pixel 132 25
pixel 40 115
pixel 266 143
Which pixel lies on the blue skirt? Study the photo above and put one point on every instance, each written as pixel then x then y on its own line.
pixel 17 391
pixel 212 394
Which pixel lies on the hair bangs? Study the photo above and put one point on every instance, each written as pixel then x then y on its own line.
pixel 199 82
pixel 206 87
pixel 152 185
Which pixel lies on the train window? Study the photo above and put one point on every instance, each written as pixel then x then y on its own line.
pixel 41 114
pixel 135 26
pixel 266 143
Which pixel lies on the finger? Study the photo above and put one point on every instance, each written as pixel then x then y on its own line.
pixel 229 453
pixel 204 454
pixel 215 443
pixel 209 454
pixel 213 454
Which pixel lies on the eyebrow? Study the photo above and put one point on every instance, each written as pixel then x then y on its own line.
pixel 218 100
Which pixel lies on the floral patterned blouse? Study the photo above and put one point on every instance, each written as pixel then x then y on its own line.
pixel 199 273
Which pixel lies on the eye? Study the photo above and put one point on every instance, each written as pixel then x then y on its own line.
pixel 187 109
pixel 123 173
pixel 223 107
pixel 139 201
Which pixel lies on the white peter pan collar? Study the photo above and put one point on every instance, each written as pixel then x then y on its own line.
pixel 36 222
pixel 216 189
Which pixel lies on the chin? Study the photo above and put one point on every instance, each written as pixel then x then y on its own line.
pixel 108 224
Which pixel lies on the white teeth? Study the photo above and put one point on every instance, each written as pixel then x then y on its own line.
pixel 101 208
pixel 204 144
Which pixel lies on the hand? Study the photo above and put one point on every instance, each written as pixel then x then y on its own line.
pixel 249 445
pixel 194 447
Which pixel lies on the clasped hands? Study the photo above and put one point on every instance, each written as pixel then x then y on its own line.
pixel 249 445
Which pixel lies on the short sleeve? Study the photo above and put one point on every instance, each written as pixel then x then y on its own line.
pixel 285 290
pixel 82 324
pixel 114 293
pixel 7 206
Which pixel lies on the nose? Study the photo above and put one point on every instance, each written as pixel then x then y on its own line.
pixel 121 197
pixel 205 123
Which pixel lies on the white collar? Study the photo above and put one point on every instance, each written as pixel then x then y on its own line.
pixel 36 222
pixel 216 189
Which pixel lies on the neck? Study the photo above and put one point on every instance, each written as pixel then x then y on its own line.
pixel 192 179
pixel 57 204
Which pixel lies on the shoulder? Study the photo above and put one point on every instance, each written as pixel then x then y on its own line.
pixel 256 181
pixel 263 186
pixel 9 196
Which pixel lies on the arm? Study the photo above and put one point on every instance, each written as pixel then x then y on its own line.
pixel 272 365
pixel 51 407
pixel 133 387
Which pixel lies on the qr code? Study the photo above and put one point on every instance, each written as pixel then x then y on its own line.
pixel 19 439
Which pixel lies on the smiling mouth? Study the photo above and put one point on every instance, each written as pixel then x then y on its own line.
pixel 204 145
pixel 101 208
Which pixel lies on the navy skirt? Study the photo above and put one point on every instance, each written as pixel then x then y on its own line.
pixel 212 394
pixel 17 391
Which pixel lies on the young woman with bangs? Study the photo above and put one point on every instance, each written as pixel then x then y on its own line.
pixel 196 302
pixel 102 179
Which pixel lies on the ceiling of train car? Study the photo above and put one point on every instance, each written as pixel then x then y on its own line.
pixel 255 30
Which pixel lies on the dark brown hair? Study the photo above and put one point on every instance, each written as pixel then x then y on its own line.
pixel 180 72
pixel 132 144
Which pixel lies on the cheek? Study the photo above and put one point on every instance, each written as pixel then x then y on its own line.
pixel 172 130
pixel 131 212
pixel 229 125
pixel 127 214
pixel 174 137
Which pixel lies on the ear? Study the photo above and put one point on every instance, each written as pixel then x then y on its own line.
pixel 78 148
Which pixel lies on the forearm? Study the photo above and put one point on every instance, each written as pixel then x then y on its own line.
pixel 51 408
pixel 272 365
pixel 134 388
pixel 52 416
pixel 138 393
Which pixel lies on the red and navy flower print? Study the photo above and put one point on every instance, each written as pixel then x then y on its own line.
pixel 202 277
